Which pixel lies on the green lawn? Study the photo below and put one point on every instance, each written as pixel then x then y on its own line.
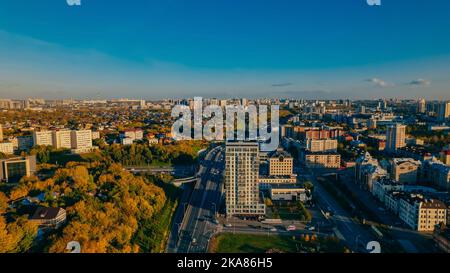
pixel 245 243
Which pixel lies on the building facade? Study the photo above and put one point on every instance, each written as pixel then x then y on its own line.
pixel 241 179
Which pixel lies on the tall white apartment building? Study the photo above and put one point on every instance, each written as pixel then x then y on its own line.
pixel 395 137
pixel 81 140
pixel 241 179
pixel 62 139
pixel 42 138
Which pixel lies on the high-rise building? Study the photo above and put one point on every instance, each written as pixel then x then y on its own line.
pixel 81 140
pixel 42 138
pixel 443 111
pixel 13 169
pixel 62 139
pixel 421 106
pixel 395 137
pixel 241 179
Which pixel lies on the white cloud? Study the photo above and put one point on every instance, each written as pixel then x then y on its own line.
pixel 380 83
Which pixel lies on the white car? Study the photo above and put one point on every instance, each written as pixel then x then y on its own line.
pixel 273 229
pixel 228 225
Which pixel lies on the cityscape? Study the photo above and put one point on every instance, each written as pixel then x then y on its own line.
pixel 347 177
pixel 224 136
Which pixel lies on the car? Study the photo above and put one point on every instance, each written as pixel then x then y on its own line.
pixel 311 228
pixel 228 225
pixel 291 228
pixel 273 229
pixel 215 221
pixel 194 241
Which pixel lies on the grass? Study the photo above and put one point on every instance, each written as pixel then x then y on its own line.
pixel 244 243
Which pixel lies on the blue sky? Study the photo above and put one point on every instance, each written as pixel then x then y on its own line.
pixel 219 48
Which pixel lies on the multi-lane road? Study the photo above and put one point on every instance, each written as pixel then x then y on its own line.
pixel 197 225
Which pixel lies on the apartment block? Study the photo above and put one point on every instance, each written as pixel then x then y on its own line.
pixel 62 139
pixel 321 145
pixel 395 137
pixel 322 160
pixel 81 141
pixel 241 179
pixel 6 148
pixel 405 170
pixel 44 138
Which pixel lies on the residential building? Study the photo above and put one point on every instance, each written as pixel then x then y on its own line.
pixel 14 169
pixel 281 163
pixel 422 214
pixel 321 145
pixel 1 132
pixel 436 173
pixel 241 179
pixel 405 170
pixel 42 138
pixel 367 171
pixel 322 160
pixel 6 148
pixel 395 137
pixel 421 106
pixel 443 111
pixel 381 187
pixel 81 141
pixel 62 139
pixel 49 217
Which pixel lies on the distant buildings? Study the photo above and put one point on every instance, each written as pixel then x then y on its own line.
pixel 395 137
pixel 241 179
pixel 443 111
pixel 1 132
pixel 13 169
pixel 421 106
pixel 79 141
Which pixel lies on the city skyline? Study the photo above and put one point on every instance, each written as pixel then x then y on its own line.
pixel 311 50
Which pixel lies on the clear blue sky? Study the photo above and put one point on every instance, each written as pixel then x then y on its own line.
pixel 291 48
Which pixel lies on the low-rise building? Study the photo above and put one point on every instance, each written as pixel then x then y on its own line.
pixel 421 214
pixel 49 217
pixel 383 186
pixel 288 193
pixel 322 160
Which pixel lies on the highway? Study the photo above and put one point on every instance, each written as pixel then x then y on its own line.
pixel 192 235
